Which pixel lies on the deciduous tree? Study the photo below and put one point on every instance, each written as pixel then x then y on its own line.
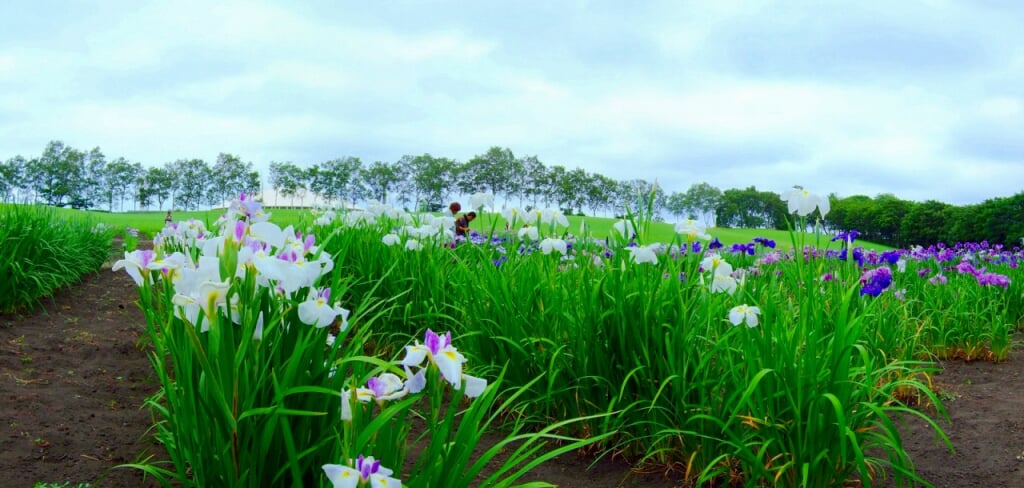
pixel 381 178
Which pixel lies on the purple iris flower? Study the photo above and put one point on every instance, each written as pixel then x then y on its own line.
pixel 434 343
pixel 366 468
pixel 889 257
pixel 993 279
pixel 765 242
pixel 715 244
pixel 240 227
pixel 966 268
pixel 377 386
pixel 849 236
pixel 875 281
pixel 858 255
pixel 251 207
pixel 324 295
pixel 744 248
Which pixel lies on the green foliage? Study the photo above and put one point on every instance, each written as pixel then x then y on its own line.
pixel 891 221
pixel 750 208
pixel 701 199
pixel 380 180
pixel 119 177
pixel 286 180
pixel 926 222
pixel 11 178
pixel 334 179
pixel 44 251
pixel 230 177
pixel 491 172
pixel 251 391
pixel 193 182
pixel 803 399
pixel 431 179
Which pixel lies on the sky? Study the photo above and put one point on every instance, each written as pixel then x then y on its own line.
pixel 920 99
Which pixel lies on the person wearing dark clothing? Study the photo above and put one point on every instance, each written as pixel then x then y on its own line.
pixel 462 224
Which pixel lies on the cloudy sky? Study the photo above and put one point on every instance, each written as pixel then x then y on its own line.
pixel 922 99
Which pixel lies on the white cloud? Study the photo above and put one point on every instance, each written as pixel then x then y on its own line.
pixel 917 99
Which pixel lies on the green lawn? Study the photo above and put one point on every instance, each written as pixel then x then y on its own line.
pixel 149 223
pixel 665 232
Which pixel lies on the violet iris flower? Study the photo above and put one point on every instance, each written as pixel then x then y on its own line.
pixel 765 242
pixel 849 236
pixel 366 470
pixel 993 279
pixel 875 281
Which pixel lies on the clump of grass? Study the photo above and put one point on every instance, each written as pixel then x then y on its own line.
pixel 43 252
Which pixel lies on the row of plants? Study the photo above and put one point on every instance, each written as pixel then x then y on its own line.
pixel 267 380
pixel 43 252
pixel 289 359
pixel 645 332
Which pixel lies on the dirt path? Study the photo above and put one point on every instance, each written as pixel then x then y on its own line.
pixel 72 382
pixel 985 402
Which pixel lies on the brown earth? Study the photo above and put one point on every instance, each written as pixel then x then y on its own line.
pixel 73 380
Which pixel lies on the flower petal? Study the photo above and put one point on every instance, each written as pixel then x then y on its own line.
pixel 472 386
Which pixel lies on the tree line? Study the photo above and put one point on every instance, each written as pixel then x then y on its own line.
pixel 65 176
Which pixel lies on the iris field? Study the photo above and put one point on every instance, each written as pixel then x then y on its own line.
pixel 372 348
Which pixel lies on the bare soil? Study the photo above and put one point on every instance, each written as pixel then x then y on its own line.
pixel 73 379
